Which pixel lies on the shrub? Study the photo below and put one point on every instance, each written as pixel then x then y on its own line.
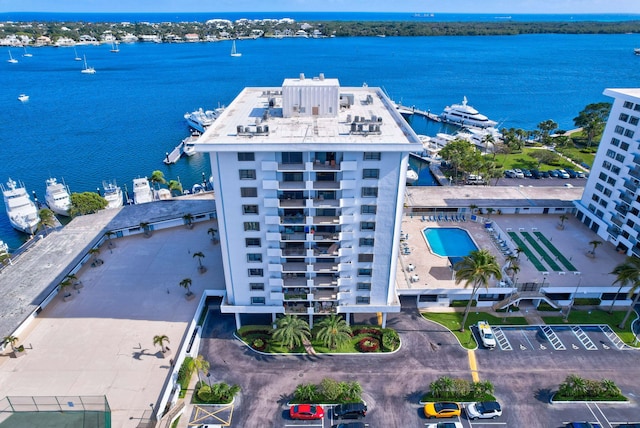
pixel 390 339
pixel 369 344
pixel 446 388
pixel 184 374
pixel 576 388
pixel 462 303
pixel 258 344
pixel 329 391
pixel 367 331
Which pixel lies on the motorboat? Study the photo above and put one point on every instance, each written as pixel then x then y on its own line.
pixel 113 194
pixel 87 69
pixel 197 188
pixel 483 138
pixel 412 176
pixel 142 192
pixel 201 119
pixel 4 248
pixel 164 194
pixel 463 114
pixel 22 211
pixel 57 197
pixel 636 51
pixel 189 144
pixel 23 97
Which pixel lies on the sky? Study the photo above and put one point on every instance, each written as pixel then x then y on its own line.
pixel 431 6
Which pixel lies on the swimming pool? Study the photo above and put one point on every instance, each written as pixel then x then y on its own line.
pixel 449 241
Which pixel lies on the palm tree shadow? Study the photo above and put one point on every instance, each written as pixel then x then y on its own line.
pixel 544 395
pixel 413 397
pixel 258 356
pixel 139 354
pixel 285 399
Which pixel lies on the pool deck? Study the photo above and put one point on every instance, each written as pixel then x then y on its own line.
pixel 434 271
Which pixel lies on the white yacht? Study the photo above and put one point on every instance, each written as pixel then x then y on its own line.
pixel 412 176
pixel 464 114
pixel 189 144
pixel 142 191
pixel 201 119
pixel 57 197
pixel 22 211
pixel 23 98
pixel 113 194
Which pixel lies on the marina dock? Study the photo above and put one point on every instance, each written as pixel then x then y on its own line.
pixel 415 111
pixel 174 156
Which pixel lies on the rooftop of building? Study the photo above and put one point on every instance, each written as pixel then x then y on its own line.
pixel 632 92
pixel 258 115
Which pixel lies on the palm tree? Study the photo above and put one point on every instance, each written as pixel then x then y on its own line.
pixel 563 218
pixel 514 269
pixel 352 391
pixel 628 273
pixel 146 228
pixel 186 284
pixel 473 208
pixel 62 287
pixel 519 250
pixel 11 340
pixel 175 187
pixel 488 139
pixel 291 331
pixel 47 219
pixel 595 243
pixel 95 252
pixel 160 340
pixel 157 178
pixel 213 232
pixel 110 234
pixel 202 366
pixel 489 212
pixel 188 220
pixel 200 255
pixel 334 331
pixel 476 270
pixel 306 392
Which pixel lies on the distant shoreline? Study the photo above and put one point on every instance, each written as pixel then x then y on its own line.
pixel 43 33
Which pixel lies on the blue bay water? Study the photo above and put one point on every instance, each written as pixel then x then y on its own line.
pixel 118 123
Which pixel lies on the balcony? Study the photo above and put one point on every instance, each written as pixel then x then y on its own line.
pixel 320 236
pixel 290 252
pixel 292 219
pixel 326 185
pixel 324 295
pixel 294 267
pixel 292 203
pixel 617 220
pixel 294 281
pixel 326 166
pixel 291 236
pixel 323 281
pixel 613 231
pixel 295 295
pixel 630 185
pixel 326 203
pixel 326 220
pixel 325 267
pixel 622 209
pixel 296 308
pixel 291 166
pixel 635 173
pixel 291 185
pixel 626 198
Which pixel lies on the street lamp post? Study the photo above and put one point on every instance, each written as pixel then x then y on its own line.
pixel 573 299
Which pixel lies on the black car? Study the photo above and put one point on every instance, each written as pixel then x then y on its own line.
pixel 350 411
pixel 582 425
pixel 544 174
pixel 349 425
pixel 536 174
pixel 572 173
pixel 628 426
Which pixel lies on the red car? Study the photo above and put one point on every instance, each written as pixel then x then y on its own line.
pixel 306 411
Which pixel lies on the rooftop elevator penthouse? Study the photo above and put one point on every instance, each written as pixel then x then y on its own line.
pixel 310 180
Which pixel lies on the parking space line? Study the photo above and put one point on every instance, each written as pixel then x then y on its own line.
pixel 553 338
pixel 607 424
pixel 584 339
pixel 502 340
pixel 613 337
pixel 522 347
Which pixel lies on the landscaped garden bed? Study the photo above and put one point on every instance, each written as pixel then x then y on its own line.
pixel 459 390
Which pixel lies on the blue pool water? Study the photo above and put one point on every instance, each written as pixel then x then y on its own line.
pixel 449 241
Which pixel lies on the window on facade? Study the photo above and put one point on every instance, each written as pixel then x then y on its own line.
pixel 599 186
pixel 370 173
pixel 623 117
pixel 257 301
pixel 595 197
pixel 364 286
pixel 629 133
pixel 249 209
pixel 636 107
pixel 628 104
pixel 603 203
pixel 591 208
pixel 365 258
pixel 292 176
pixel 611 153
pixel 251 226
pixel 254 258
pixel 291 157
pixel 368 209
pixel 369 192
pixel 246 156
pixel 367 242
pixel 633 120
pixel 256 286
pixel 365 272
pixel 615 142
pixel 367 225
pixel 249 192
pixel 372 156
pixel 624 146
pixel 611 181
pixel 603 176
pixel 607 192
pixel 619 130
pixel 247 174
pixel 256 272
pixel 362 300
pixel 620 158
pixel 252 242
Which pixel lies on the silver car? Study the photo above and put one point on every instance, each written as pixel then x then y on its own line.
pixel 483 410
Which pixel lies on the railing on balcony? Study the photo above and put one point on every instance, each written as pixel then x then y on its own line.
pixel 326 166
pixel 326 203
pixel 292 219
pixel 319 236
pixel 294 236
pixel 295 308
pixel 295 296
pixel 293 281
pixel 292 203
pixel 626 198
pixel 325 267
pixel 635 173
pixel 291 166
pixel 330 185
pixel 622 209
pixel 325 295
pixel 292 185
pixel 617 221
pixel 321 281
pixel 613 231
pixel 287 252
pixel 628 184
pixel 294 267
pixel 326 220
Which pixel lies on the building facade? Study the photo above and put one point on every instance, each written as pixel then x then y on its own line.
pixel 310 181
pixel 610 204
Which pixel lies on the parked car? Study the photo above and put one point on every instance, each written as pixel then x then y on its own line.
pixel 510 173
pixel 306 411
pixel 554 173
pixel 441 409
pixel 349 425
pixel 445 425
pixel 563 174
pixel 483 410
pixel 582 425
pixel 581 174
pixel 628 426
pixel 350 411
pixel 526 173
pixel 544 174
pixel 536 174
pixel 571 172
pixel 519 173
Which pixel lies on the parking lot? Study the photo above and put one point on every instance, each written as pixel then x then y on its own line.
pixel 556 338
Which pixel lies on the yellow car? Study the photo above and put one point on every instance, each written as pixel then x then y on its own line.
pixel 441 409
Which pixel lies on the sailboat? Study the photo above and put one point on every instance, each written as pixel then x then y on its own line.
pixel 115 46
pixel 26 54
pixel 77 58
pixel 234 52
pixel 11 59
pixel 87 69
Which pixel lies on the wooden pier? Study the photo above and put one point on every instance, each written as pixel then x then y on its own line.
pixel 174 156
pixel 415 111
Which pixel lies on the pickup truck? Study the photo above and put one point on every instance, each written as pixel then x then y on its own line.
pixel 486 335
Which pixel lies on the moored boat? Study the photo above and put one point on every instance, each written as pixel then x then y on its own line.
pixel 201 119
pixel 463 114
pixel 87 69
pixel 412 176
pixel 57 197
pixel 189 144
pixel 22 211
pixel 142 191
pixel 23 97
pixel 113 194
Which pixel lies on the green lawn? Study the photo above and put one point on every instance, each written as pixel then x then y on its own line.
pixel 525 160
pixel 452 321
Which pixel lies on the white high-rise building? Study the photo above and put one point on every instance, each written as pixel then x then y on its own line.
pixel 610 203
pixel 310 181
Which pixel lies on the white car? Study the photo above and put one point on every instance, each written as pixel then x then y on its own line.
pixel 445 425
pixel 563 174
pixel 483 410
pixel 486 335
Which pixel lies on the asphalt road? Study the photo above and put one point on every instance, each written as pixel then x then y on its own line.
pixel 393 384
